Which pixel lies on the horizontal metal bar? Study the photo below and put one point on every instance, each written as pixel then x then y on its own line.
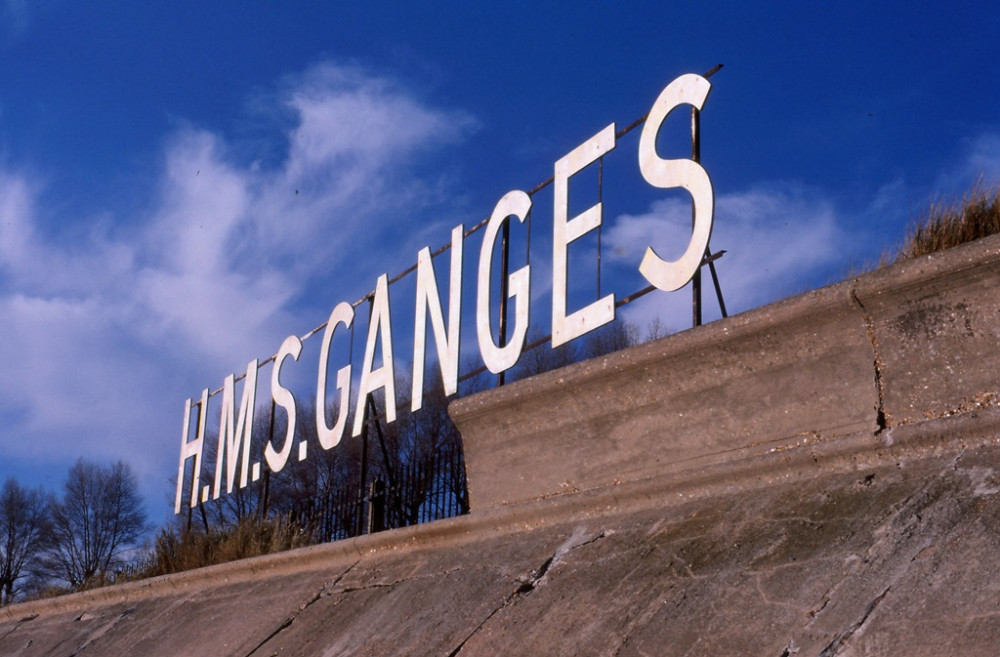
pixel 409 270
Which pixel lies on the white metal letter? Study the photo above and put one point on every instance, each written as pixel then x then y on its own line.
pixel 564 230
pixel 515 203
pixel 282 396
pixel 329 436
pixel 235 435
pixel 189 449
pixel 428 299
pixel 669 276
pixel 378 327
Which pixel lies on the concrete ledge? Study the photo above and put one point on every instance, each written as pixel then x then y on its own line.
pixel 936 324
pixel 910 342
pixel 788 373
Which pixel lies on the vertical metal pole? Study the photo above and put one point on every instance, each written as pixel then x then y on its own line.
pixel 204 518
pixel 718 288
pixel 504 269
pixel 696 279
pixel 600 201
pixel 363 485
pixel 266 484
pixel 195 476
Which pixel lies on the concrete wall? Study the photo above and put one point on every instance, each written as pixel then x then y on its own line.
pixel 817 477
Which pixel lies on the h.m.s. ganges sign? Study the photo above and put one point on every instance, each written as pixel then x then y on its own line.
pixel 232 458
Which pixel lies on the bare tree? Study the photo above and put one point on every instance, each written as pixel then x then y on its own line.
pixel 22 522
pixel 656 329
pixel 542 358
pixel 99 516
pixel 610 338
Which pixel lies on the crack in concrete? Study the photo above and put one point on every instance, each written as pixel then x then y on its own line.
pixel 100 632
pixel 577 540
pixel 285 624
pixel 833 648
pixel 892 533
pixel 535 578
pixel 26 619
pixel 790 649
pixel 880 415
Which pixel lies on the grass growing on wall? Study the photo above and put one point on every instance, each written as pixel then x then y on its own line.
pixel 176 551
pixel 948 225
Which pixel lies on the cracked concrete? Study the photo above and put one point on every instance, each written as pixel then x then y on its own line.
pixel 819 477
pixel 296 613
pixel 840 641
pixel 880 417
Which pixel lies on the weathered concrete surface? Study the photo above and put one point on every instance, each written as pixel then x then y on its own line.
pixel 816 478
pixel 800 370
pixel 904 344
pixel 935 322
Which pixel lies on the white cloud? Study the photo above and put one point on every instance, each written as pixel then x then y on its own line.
pixel 16 211
pixel 778 239
pixel 104 335
pixel 979 159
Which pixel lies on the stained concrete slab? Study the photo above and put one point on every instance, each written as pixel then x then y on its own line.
pixel 798 369
pixel 845 501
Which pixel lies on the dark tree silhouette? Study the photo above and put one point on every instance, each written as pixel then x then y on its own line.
pixel 22 523
pixel 98 517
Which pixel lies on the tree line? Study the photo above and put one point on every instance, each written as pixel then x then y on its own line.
pixel 77 538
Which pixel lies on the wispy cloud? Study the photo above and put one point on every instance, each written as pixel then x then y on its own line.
pixel 980 159
pixel 783 238
pixel 778 238
pixel 105 334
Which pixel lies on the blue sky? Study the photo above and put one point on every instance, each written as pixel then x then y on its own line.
pixel 182 185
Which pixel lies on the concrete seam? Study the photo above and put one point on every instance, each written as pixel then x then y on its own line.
pixel 880 415
pixel 285 624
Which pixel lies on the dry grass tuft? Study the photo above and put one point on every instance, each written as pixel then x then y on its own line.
pixel 175 552
pixel 945 226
